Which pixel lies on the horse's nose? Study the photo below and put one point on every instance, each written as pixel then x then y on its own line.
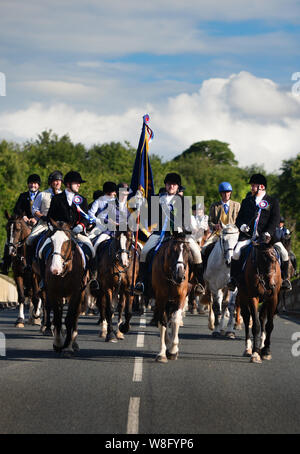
pixel 54 271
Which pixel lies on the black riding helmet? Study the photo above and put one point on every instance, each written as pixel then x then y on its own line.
pixel 56 175
pixel 173 178
pixel 258 178
pixel 73 177
pixel 34 178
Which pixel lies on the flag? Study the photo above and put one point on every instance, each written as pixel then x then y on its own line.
pixel 142 178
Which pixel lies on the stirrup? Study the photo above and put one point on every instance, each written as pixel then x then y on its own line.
pixel 139 288
pixel 286 284
pixel 232 284
pixel 199 289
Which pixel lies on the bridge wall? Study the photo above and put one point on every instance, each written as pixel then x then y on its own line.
pixel 8 291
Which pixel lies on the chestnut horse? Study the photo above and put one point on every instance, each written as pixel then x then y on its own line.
pixel 115 268
pixel 261 283
pixel 65 278
pixel 170 283
pixel 27 286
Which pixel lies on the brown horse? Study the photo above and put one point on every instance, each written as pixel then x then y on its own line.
pixel 261 283
pixel 115 268
pixel 27 286
pixel 65 277
pixel 170 283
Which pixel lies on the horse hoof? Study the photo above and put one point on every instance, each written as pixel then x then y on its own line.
pixel 266 357
pixel 120 336
pixel 123 328
pixel 20 323
pixel 230 335
pixel 172 356
pixel 161 359
pixel 247 353
pixel 111 338
pixel 216 334
pixel 255 358
pixel 238 327
pixel 75 347
pixel 57 349
pixel 48 332
pixel 36 321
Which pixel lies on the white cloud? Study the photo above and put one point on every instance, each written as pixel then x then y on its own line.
pixel 259 121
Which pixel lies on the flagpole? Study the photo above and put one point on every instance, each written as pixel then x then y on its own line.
pixel 143 137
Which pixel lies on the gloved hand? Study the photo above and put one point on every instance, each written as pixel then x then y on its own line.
pixel 244 228
pixel 77 229
pixel 265 237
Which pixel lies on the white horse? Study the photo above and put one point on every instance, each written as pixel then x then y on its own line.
pixel 216 276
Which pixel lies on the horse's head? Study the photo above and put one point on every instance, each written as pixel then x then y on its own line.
pixel 177 258
pixel 266 265
pixel 228 239
pixel 124 247
pixel 61 258
pixel 16 231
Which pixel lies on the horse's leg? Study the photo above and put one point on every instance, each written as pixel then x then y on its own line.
pixel 263 319
pixel 57 305
pixel 71 322
pixel 20 322
pixel 172 353
pixel 101 304
pixel 125 327
pixel 47 331
pixel 162 325
pixel 255 358
pixel 246 318
pixel 231 307
pixel 110 337
pixel 211 318
pixel 217 309
pixel 266 351
pixel 121 307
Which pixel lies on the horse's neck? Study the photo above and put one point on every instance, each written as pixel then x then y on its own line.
pixel 25 231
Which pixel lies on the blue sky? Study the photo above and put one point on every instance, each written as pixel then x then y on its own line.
pixel 92 69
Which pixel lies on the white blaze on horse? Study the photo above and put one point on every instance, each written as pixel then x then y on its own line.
pixel 217 275
pixel 170 274
pixel 65 277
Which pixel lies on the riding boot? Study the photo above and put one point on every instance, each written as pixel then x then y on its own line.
pixel 94 284
pixel 286 284
pixel 199 287
pixel 140 284
pixel 29 257
pixel 234 273
pixel 5 265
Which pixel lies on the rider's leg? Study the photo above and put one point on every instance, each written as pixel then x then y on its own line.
pixel 198 266
pixel 6 261
pixel 286 284
pixel 92 263
pixel 235 266
pixel 151 243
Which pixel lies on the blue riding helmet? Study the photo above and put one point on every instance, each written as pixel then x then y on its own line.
pixel 225 187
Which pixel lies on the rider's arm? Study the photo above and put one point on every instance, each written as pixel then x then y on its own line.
pixel 37 206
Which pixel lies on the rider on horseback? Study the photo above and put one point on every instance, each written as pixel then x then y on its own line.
pixel 170 204
pixel 281 235
pixel 258 218
pixel 70 207
pixel 23 208
pixel 223 212
pixel 40 210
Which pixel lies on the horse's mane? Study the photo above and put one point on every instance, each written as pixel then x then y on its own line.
pixel 230 228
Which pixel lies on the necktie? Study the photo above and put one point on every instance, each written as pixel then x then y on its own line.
pixel 226 208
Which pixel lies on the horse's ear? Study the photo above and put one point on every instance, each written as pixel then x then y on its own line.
pixel 6 214
pixel 53 224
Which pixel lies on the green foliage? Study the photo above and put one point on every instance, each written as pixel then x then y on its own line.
pixel 202 167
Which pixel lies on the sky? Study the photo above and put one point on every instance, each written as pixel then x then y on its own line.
pixel 202 69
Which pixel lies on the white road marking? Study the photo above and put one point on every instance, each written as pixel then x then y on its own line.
pixel 138 369
pixel 141 336
pixel 133 416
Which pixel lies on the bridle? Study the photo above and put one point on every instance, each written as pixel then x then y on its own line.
pixel 68 257
pixel 19 243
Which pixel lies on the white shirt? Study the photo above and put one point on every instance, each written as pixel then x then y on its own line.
pixel 259 198
pixel 38 200
pixel 70 196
